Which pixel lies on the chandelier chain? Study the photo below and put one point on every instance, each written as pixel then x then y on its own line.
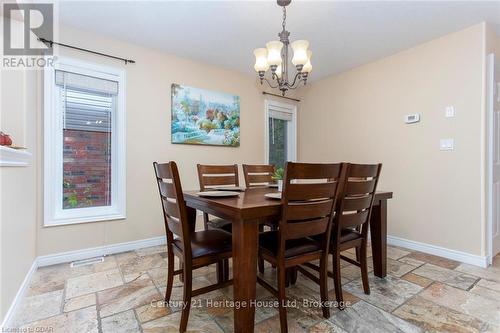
pixel 284 18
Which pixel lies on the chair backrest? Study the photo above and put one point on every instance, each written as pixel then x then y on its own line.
pixel 356 199
pixel 211 176
pixel 308 201
pixel 256 175
pixel 174 206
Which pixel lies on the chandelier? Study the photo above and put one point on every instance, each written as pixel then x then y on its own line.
pixel 275 56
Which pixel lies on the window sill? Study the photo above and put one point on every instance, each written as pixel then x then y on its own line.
pixel 80 220
pixel 10 157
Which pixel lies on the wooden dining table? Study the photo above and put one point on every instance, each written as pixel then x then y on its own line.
pixel 246 212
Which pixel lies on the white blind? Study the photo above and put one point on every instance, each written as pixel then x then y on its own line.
pixel 85 82
pixel 87 111
pixel 88 101
pixel 280 115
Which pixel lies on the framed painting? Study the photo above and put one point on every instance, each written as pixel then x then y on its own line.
pixel 204 117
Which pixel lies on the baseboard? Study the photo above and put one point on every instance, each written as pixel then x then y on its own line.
pixel 59 258
pixel 19 296
pixel 439 251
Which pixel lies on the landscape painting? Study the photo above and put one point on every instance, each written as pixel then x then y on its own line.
pixel 204 117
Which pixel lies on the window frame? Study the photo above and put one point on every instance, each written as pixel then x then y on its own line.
pixel 291 128
pixel 54 214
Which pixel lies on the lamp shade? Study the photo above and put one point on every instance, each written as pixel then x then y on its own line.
pixel 278 71
pixel 299 48
pixel 274 53
pixel 261 64
pixel 308 67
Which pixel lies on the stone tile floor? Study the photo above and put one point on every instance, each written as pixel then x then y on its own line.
pixel 422 293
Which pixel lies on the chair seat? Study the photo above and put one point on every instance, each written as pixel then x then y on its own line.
pixel 347 235
pixel 268 241
pixel 208 243
pixel 216 223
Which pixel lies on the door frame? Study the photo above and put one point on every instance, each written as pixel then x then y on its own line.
pixel 491 85
pixel 283 107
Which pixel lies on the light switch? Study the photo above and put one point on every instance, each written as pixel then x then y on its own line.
pixel 446 144
pixel 450 112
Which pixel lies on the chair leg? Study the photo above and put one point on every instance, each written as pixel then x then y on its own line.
pixel 323 285
pixel 260 259
pixel 205 221
pixel 188 285
pixel 220 271
pixel 170 275
pixel 358 255
pixel 282 298
pixel 337 281
pixel 364 269
pixel 274 227
pixel 261 265
pixel 181 275
pixel 293 275
pixel 226 270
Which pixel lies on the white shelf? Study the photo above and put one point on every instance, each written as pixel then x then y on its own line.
pixel 14 157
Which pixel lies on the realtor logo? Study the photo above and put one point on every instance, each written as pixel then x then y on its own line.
pixel 38 22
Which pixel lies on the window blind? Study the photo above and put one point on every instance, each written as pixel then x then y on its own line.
pixel 88 102
pixel 87 111
pixel 280 115
pixel 85 82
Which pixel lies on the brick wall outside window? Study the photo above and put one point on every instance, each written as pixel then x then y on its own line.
pixel 87 169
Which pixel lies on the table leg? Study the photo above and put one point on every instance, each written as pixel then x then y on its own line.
pixel 191 215
pixel 245 247
pixel 378 231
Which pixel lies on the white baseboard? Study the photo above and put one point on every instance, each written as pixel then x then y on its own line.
pixel 439 251
pixel 59 258
pixel 19 296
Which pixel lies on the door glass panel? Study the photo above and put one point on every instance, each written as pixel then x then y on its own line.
pixel 278 142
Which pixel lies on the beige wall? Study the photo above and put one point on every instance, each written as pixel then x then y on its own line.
pixel 18 186
pixel 358 116
pixel 148 137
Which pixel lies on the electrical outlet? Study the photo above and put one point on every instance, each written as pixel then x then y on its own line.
pixel 450 112
pixel 446 144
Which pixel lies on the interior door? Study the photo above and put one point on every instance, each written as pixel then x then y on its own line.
pixel 494 110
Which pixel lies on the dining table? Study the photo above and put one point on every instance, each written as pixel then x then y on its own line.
pixel 249 209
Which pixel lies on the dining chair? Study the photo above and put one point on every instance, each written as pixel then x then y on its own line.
pixel 258 175
pixel 351 224
pixel 308 202
pixel 195 249
pixel 210 177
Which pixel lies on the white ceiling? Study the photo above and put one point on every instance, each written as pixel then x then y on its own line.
pixel 343 35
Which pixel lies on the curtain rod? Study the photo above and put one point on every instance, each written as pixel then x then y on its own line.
pixel 49 43
pixel 293 99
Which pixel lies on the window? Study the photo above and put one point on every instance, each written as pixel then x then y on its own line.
pixel 84 160
pixel 280 133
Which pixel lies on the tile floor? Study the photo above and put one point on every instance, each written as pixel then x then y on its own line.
pixel 422 293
